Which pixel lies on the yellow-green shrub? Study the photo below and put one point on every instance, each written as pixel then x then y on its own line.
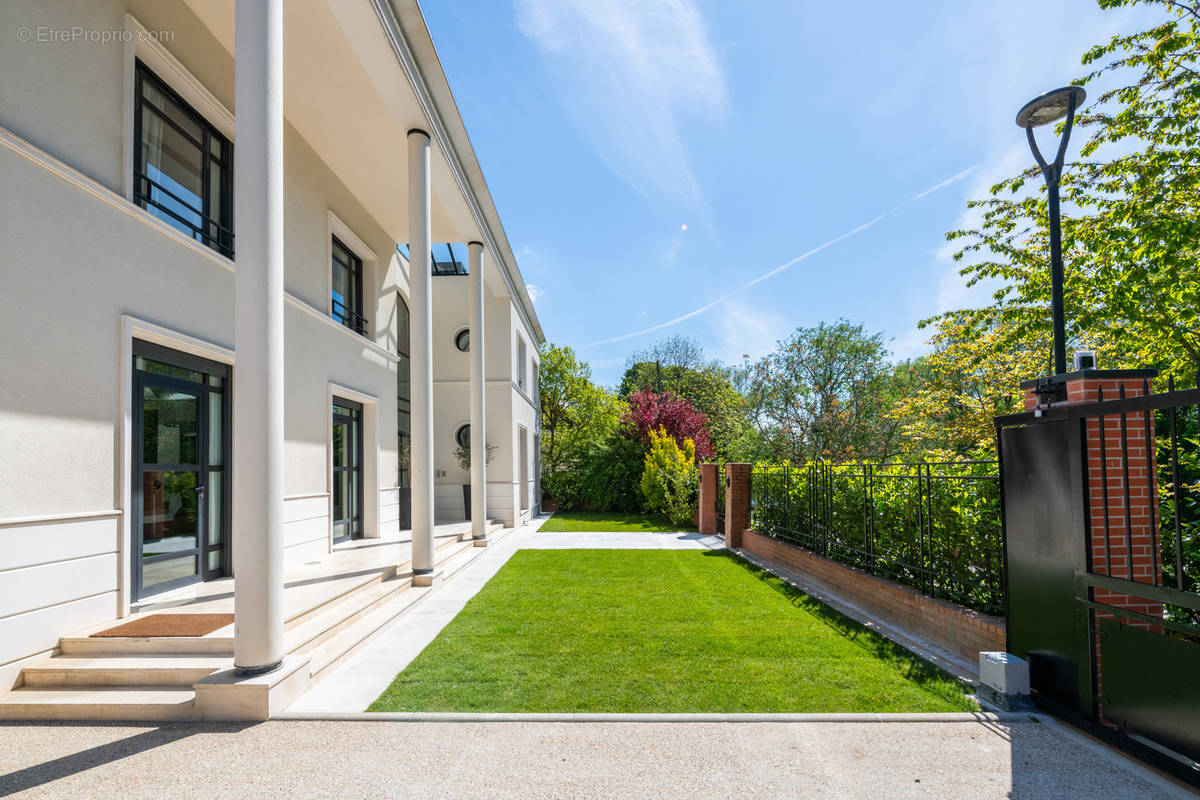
pixel 670 480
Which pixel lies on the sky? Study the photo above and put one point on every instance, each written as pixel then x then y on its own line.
pixel 731 171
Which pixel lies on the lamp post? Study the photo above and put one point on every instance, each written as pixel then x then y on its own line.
pixel 1042 110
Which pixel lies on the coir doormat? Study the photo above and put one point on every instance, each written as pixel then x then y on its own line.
pixel 170 625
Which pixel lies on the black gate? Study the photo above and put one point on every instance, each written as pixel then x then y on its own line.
pixel 1101 505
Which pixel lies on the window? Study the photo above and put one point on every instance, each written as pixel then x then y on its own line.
pixel 462 339
pixel 521 359
pixel 346 303
pixel 403 393
pixel 182 167
pixel 462 436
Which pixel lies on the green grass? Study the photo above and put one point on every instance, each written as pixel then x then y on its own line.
pixel 659 631
pixel 608 521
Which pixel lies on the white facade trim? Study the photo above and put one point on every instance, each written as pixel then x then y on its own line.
pixel 114 512
pixel 369 434
pixel 76 178
pixel 315 313
pixel 134 328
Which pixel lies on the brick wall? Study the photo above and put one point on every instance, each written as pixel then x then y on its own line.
pixel 707 522
pixel 949 626
pixel 737 503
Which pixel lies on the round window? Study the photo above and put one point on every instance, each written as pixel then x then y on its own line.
pixel 463 436
pixel 462 339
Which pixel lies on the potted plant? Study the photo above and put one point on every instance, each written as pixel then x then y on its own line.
pixel 463 454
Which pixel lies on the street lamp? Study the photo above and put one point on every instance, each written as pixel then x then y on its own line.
pixel 1042 110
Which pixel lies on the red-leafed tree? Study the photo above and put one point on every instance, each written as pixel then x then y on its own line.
pixel 648 411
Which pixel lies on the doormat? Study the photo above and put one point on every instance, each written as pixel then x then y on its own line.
pixel 170 625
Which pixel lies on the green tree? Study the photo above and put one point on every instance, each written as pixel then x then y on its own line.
pixel 824 393
pixel 678 365
pixel 1131 225
pixel 577 414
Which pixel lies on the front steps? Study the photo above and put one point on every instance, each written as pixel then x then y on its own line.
pixel 157 678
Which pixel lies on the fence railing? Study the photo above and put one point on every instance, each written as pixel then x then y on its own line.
pixel 933 526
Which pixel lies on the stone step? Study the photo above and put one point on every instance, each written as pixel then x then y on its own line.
pixel 313 632
pixel 143 703
pixel 325 658
pixel 80 671
pixel 147 646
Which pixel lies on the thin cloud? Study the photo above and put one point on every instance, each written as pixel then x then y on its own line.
pixel 793 262
pixel 630 74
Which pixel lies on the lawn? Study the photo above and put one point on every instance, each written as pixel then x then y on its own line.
pixel 659 631
pixel 608 521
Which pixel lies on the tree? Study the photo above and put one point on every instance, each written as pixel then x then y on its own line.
pixel 648 412
pixel 1131 228
pixel 677 365
pixel 971 377
pixel 576 413
pixel 821 394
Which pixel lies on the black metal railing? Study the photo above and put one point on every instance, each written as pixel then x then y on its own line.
pixel 151 194
pixel 932 526
pixel 351 319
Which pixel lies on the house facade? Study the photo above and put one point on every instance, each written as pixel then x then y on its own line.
pixel 231 342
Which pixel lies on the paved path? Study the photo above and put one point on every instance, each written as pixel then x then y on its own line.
pixel 429 760
pixel 354 685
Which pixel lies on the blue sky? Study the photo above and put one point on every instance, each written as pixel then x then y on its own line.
pixel 845 135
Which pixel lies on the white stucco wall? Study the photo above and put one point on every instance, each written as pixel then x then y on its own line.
pixel 79 261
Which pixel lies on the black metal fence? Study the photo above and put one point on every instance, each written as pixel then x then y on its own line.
pixel 933 526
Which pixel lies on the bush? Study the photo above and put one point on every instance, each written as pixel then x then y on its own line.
pixel 609 475
pixel 563 486
pixel 670 479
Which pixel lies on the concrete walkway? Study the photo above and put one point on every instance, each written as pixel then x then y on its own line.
pixel 972 760
pixel 356 684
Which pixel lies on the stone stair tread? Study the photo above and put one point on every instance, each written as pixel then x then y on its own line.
pixel 96 695
pixel 298 636
pixel 355 635
pixel 149 661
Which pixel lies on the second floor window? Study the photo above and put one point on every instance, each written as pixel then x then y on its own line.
pixel 183 167
pixel 346 303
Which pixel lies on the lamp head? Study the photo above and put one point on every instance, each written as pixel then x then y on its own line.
pixel 1050 107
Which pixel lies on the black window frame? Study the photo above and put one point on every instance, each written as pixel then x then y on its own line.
pixel 350 317
pixel 214 233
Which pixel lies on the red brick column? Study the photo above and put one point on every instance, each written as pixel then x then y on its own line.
pixel 707 523
pixel 1106 464
pixel 737 503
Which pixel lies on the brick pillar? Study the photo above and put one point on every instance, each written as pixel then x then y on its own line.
pixel 737 503
pixel 707 522
pixel 1131 515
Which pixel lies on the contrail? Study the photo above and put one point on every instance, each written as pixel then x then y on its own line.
pixel 787 264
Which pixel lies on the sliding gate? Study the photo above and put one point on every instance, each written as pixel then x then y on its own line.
pixel 1101 506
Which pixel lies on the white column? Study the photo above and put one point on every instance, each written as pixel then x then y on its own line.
pixel 258 392
pixel 478 399
pixel 421 356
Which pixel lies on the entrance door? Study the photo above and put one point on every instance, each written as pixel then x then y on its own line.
pixel 347 470
pixel 180 493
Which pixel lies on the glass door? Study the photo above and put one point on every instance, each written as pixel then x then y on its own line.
pixel 180 494
pixel 347 470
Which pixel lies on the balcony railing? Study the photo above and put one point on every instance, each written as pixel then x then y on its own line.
pixel 351 319
pixel 182 214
